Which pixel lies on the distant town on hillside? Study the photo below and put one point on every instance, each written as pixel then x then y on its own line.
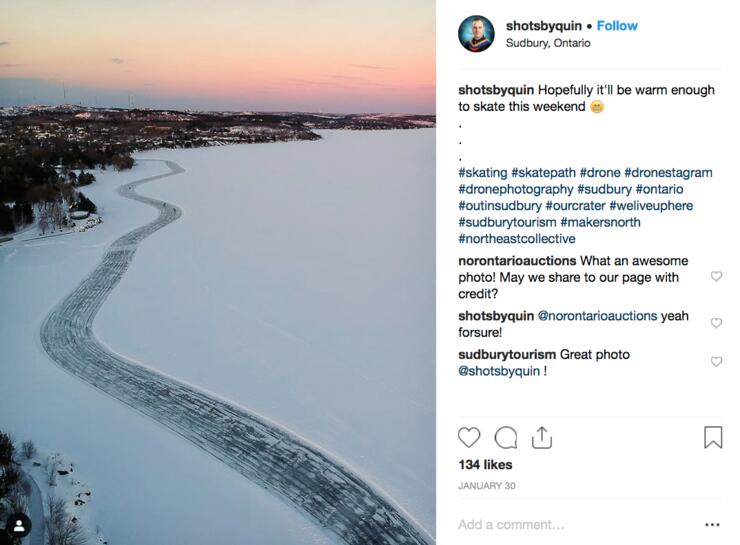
pixel 46 152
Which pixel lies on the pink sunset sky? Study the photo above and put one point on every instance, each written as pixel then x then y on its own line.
pixel 279 55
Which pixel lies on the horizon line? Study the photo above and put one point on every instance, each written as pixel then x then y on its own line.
pixel 244 111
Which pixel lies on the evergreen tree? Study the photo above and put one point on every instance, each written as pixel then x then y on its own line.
pixel 85 178
pixel 86 204
pixel 22 212
pixel 9 475
pixel 7 449
pixel 6 219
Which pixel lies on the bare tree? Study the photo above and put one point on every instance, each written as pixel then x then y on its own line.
pixel 28 449
pixel 57 214
pixel 51 471
pixel 68 194
pixel 25 486
pixel 43 218
pixel 61 528
pixel 43 198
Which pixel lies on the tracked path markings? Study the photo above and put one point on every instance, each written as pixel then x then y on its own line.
pixel 330 494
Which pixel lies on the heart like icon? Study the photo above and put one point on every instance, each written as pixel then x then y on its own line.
pixel 468 436
pixel 716 275
pixel 716 322
pixel 716 361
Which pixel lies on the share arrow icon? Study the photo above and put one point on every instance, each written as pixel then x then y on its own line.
pixel 542 439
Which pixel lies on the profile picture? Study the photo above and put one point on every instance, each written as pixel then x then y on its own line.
pixel 476 33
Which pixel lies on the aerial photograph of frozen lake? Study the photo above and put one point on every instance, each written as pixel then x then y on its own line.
pixel 217 313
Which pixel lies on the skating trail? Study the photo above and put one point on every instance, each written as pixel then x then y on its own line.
pixel 333 496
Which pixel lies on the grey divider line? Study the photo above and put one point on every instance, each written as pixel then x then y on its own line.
pixel 327 492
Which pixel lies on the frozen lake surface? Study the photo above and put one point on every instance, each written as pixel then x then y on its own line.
pixel 298 284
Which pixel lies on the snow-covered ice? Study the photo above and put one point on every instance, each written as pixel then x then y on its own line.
pixel 298 284
pixel 150 485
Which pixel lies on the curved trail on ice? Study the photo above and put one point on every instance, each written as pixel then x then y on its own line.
pixel 333 496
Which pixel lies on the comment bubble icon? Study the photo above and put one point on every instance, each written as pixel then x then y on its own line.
pixel 505 437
